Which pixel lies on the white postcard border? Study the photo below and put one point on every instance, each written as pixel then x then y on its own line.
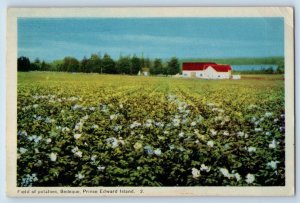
pixel 11 107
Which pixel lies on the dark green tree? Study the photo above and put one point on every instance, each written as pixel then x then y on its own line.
pixel 123 65
pixel 157 67
pixel 23 64
pixel 84 65
pixel 43 66
pixel 136 65
pixel 70 64
pixel 173 66
pixel 94 64
pixel 108 65
pixel 36 65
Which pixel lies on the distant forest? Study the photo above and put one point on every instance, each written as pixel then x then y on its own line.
pixel 132 65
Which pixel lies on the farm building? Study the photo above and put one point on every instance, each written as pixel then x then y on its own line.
pixel 144 72
pixel 206 70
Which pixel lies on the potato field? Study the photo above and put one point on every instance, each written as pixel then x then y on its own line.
pixel 118 130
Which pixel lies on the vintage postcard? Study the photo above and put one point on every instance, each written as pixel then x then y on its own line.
pixel 156 101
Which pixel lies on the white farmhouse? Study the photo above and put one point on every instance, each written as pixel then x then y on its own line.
pixel 206 70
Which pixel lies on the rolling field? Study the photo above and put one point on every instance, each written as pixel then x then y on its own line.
pixel 108 130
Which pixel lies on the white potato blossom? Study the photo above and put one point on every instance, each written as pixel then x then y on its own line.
pixel 210 143
pixel 225 173
pixel 28 180
pixel 77 152
pixel 171 147
pixel 79 126
pixel 184 121
pixel 38 118
pixel 213 132
pixel 112 141
pixel 95 126
pixel 77 136
pixel 159 124
pixel 76 106
pixel 220 110
pixel 250 178
pixel 215 109
pixel 137 145
pixel 237 176
pixel 181 134
pixel 268 133
pixel 35 138
pixel 226 133
pixel 121 141
pixel 176 122
pixel 101 168
pixel 210 104
pixel 65 129
pixel 268 114
pixel 240 134
pixel 93 158
pixel 258 129
pixel 22 150
pixel 253 119
pixel 148 123
pixel 148 150
pixel 48 141
pixel 104 108
pixel 113 117
pixel 166 132
pixel 219 118
pixel 273 144
pixel 135 124
pixel 22 133
pixel 79 176
pixel 53 156
pixel 49 120
pixel 204 168
pixel 273 164
pixel 157 152
pixel 117 128
pixel 251 149
pixel 196 173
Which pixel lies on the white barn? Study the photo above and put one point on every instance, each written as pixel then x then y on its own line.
pixel 206 70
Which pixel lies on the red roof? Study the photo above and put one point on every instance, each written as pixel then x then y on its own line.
pixel 196 65
pixel 221 68
pixel 200 66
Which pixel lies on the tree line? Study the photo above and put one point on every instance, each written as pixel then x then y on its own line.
pixel 130 65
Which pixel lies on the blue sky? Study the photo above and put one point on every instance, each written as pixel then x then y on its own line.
pixel 49 39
